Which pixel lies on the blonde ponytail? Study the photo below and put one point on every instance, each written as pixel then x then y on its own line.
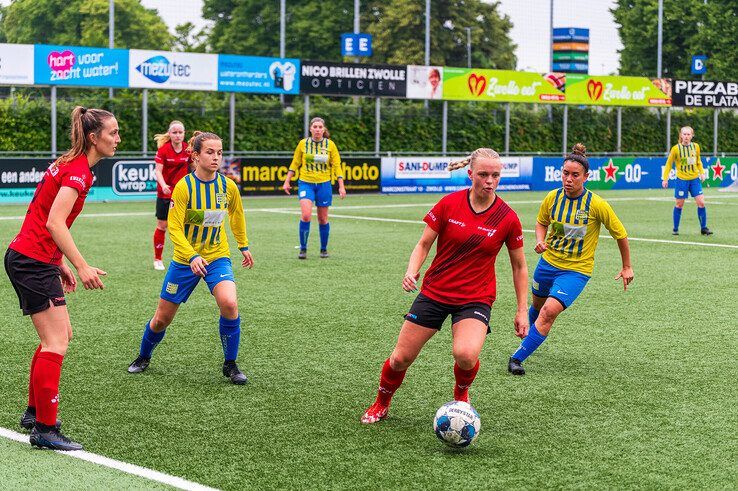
pixel 479 153
pixel 162 139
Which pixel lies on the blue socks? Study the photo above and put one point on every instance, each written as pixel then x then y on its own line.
pixel 304 233
pixel 677 217
pixel 531 343
pixel 702 215
pixel 325 230
pixel 230 335
pixel 532 315
pixel 150 340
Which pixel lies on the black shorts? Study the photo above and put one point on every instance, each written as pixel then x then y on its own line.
pixel 427 312
pixel 37 284
pixel 162 208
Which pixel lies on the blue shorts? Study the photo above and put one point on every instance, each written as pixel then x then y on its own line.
pixel 321 193
pixel 561 284
pixel 180 281
pixel 683 188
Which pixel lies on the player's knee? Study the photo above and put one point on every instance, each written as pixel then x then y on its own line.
pixel 305 217
pixel 57 345
pixel 546 317
pixel 160 321
pixel 400 361
pixel 229 308
pixel 466 358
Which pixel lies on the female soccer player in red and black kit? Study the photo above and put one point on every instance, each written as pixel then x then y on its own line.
pixel 172 164
pixel 471 227
pixel 34 262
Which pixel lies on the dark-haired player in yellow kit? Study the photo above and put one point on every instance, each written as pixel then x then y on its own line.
pixel 685 155
pixel 316 159
pixel 572 216
pixel 201 202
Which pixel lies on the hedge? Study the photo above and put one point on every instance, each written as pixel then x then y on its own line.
pixel 264 124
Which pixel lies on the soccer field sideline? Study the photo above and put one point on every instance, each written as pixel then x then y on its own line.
pixel 135 470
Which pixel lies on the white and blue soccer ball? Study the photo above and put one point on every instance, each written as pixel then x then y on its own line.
pixel 457 424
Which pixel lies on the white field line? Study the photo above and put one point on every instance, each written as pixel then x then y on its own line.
pixel 368 207
pixel 419 222
pixel 176 482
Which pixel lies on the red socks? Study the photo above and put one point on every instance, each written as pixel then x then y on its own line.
pixel 159 236
pixel 46 375
pixel 464 379
pixel 389 382
pixel 31 398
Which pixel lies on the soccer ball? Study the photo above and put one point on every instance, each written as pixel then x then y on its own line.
pixel 457 424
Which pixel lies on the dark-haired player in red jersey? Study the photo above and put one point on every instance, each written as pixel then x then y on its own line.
pixel 172 164
pixel 471 227
pixel 35 266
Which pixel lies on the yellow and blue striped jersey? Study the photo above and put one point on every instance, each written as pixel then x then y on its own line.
pixel 574 228
pixel 196 217
pixel 687 160
pixel 314 162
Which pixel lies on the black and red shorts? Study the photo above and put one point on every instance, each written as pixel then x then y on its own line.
pixel 162 208
pixel 37 284
pixel 429 313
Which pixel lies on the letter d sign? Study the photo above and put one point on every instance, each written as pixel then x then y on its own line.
pixel 699 64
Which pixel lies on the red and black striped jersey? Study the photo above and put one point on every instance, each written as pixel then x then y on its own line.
pixel 34 240
pixel 463 270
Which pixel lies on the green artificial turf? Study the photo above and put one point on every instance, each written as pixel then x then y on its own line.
pixel 632 389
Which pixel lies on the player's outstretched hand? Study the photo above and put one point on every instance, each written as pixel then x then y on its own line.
pixel 627 275
pixel 410 282
pixel 521 324
pixel 540 247
pixel 90 277
pixel 69 282
pixel 341 191
pixel 248 261
pixel 197 266
pixel 286 186
pixel 664 184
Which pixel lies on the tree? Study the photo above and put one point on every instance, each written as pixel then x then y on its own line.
pixel 83 23
pixel 690 27
pixel 313 30
pixel 398 27
pixel 251 27
pixel 186 39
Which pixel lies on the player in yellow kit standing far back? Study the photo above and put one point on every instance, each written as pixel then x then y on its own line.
pixel 685 155
pixel 201 201
pixel 316 158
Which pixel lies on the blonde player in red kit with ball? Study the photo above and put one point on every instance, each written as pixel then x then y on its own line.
pixel 471 226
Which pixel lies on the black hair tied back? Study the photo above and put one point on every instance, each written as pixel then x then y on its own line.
pixel 82 109
pixel 579 154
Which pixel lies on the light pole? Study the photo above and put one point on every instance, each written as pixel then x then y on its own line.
pixel 468 47
pixel 111 34
pixel 282 28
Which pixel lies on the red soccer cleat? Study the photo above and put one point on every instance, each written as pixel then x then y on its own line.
pixel 376 412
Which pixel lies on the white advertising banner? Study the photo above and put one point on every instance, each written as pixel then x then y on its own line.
pixel 16 64
pixel 167 70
